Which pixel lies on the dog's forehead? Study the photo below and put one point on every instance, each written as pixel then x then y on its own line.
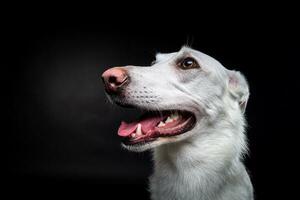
pixel 160 57
pixel 165 56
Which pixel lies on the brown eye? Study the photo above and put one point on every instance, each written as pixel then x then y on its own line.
pixel 188 63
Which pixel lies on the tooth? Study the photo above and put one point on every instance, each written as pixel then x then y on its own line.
pixel 175 116
pixel 169 120
pixel 139 130
pixel 161 124
pixel 133 135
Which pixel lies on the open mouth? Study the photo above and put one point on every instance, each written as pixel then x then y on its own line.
pixel 152 125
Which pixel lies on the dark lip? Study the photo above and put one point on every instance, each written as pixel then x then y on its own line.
pixel 128 142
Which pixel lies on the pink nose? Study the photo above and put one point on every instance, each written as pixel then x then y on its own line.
pixel 114 79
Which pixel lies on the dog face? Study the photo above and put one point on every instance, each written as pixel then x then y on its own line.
pixel 181 93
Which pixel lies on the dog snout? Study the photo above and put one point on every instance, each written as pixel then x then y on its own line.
pixel 115 79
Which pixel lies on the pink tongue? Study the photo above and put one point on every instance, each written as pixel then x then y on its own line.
pixel 149 123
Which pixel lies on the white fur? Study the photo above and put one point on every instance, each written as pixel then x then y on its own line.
pixel 206 162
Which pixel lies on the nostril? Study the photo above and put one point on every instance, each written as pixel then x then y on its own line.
pixel 112 79
pixel 117 81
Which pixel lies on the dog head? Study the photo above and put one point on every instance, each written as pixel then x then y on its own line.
pixel 182 94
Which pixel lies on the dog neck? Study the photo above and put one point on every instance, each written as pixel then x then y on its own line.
pixel 203 164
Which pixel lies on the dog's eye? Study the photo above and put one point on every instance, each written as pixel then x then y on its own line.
pixel 188 63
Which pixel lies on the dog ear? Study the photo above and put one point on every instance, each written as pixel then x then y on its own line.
pixel 238 88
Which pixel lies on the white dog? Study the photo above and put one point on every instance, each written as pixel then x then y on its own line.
pixel 193 120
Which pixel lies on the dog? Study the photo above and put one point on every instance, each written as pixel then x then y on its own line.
pixel 193 122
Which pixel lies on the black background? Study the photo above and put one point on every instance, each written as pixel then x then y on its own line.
pixel 61 132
